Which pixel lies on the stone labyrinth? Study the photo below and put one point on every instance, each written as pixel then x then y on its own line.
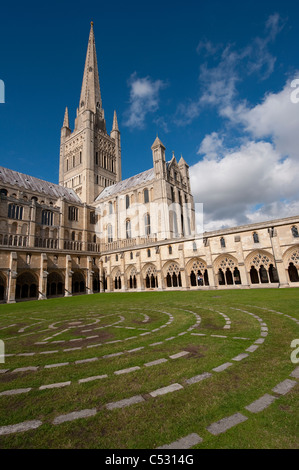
pixel 125 353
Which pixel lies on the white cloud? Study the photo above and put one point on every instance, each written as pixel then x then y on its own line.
pixel 252 176
pixel 144 99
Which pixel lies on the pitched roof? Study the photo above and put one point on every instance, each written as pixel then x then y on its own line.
pixel 127 184
pixel 30 183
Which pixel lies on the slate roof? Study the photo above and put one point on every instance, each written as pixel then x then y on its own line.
pixel 127 184
pixel 30 183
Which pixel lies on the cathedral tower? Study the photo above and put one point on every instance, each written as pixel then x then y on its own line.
pixel 90 159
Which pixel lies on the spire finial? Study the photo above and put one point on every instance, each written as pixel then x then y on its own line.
pixel 115 123
pixel 66 122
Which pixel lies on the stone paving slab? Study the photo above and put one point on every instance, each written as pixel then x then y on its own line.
pixel 112 355
pixel 157 344
pixel 91 379
pixel 25 369
pixel 26 354
pixel 178 355
pixel 135 350
pixel 222 367
pixel 261 404
pixel 226 423
pixel 259 341
pixel 49 352
pixel 60 364
pixel 20 427
pixel 126 402
pixel 218 336
pixel 72 349
pixel 16 391
pixel 84 361
pixel 2 371
pixel 184 443
pixel 154 363
pixel 295 373
pixel 284 387
pixel 164 390
pixel 198 378
pixel 126 371
pixel 240 357
pixel 74 415
pixel 58 385
pixel 252 348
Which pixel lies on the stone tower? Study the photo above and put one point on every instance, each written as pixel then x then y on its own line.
pixel 90 158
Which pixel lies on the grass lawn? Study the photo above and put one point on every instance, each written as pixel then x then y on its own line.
pixel 138 343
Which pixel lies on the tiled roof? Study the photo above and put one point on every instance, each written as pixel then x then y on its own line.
pixel 30 183
pixel 127 184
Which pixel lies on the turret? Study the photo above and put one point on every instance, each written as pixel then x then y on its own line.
pixel 158 150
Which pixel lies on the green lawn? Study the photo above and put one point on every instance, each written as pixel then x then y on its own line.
pixel 115 325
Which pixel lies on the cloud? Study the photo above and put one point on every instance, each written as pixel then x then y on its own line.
pixel 144 99
pixel 219 80
pixel 246 185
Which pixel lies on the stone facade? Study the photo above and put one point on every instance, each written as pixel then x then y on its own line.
pixel 95 232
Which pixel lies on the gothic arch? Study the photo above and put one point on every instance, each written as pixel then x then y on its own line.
pixel 78 283
pixel 131 277
pixel 291 261
pixel 55 284
pixel 172 274
pixel 197 272
pixel 27 286
pixel 226 268
pixel 3 284
pixel 261 267
pixel 150 277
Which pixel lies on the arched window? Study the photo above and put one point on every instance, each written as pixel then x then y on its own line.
pixel 47 218
pixel 170 249
pixel 131 255
pixel 147 224
pixel 146 196
pixel 128 229
pixel 15 212
pixel 3 192
pixel 172 195
pixel 256 238
pixel 110 233
pixel 222 242
pixel 295 232
pixel 148 253
pixel 127 202
pixel 110 205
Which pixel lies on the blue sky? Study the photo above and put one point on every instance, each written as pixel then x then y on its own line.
pixel 213 79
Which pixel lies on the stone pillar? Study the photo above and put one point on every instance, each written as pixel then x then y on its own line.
pixel 68 276
pixel 12 278
pixel 43 276
pixel 184 277
pixel 283 279
pixel 241 262
pixel 32 224
pixel 124 285
pixel 89 276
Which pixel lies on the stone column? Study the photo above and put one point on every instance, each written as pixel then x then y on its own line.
pixel 32 224
pixel 124 286
pixel 184 277
pixel 12 278
pixel 89 276
pixel 43 276
pixel 68 276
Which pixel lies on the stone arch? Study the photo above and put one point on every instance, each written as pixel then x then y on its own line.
pixel 291 261
pixel 261 267
pixel 27 286
pixel 150 277
pixel 172 274
pixel 226 268
pixel 116 278
pixel 131 276
pixel 55 284
pixel 78 283
pixel 197 272
pixel 3 285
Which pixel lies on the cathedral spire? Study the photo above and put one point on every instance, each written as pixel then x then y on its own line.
pixel 115 123
pixel 90 97
pixel 66 122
